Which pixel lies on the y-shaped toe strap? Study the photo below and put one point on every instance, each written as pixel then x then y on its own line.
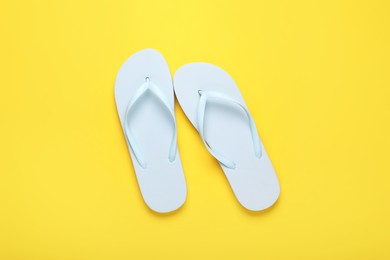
pixel 148 85
pixel 206 96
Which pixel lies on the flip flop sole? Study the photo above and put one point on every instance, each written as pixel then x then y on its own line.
pixel 162 183
pixel 253 181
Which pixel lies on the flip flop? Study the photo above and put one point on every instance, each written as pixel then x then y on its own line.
pixel 145 103
pixel 214 105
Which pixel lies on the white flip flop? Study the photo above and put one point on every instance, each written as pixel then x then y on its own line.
pixel 145 102
pixel 214 105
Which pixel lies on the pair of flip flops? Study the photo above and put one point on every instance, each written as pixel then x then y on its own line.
pixel 144 94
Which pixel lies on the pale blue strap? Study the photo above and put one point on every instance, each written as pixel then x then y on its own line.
pixel 206 96
pixel 148 85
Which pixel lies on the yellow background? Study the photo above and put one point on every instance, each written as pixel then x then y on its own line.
pixel 315 75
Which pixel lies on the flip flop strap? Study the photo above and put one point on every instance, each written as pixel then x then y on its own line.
pixel 149 86
pixel 205 96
